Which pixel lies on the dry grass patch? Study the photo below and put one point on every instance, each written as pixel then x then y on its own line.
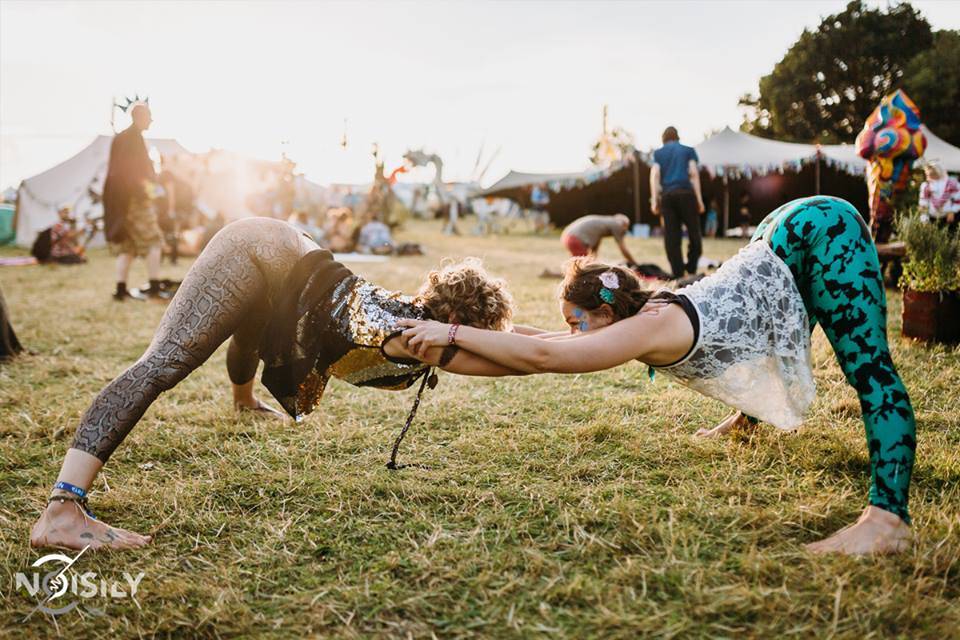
pixel 576 506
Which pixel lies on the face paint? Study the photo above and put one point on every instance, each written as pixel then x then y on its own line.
pixel 584 326
pixel 577 312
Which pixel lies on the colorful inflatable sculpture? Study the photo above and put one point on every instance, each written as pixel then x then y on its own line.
pixel 890 142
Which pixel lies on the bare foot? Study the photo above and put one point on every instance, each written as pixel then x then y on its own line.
pixel 737 420
pixel 64 525
pixel 258 408
pixel 876 531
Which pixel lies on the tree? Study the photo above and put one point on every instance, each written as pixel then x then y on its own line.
pixel 611 147
pixel 832 78
pixel 932 79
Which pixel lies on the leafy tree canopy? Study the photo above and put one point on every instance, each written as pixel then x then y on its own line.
pixel 832 78
pixel 932 79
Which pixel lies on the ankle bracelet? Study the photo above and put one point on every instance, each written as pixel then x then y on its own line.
pixel 73 494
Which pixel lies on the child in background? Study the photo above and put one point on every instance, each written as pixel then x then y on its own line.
pixel 710 220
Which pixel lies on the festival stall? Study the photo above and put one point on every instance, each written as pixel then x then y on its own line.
pixel 76 182
pixel 568 196
pixel 737 163
pixel 733 163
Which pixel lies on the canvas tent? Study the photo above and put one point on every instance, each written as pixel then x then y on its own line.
pixel 845 155
pixel 600 190
pixel 519 179
pixel 76 182
pixel 940 149
pixel 739 153
pixel 774 172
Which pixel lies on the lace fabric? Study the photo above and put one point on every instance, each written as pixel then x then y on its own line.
pixel 754 347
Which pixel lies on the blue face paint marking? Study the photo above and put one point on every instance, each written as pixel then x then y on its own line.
pixel 577 312
pixel 584 326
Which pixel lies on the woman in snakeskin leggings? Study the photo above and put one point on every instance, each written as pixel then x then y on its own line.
pixel 281 299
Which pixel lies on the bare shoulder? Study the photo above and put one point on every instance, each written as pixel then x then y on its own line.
pixel 666 330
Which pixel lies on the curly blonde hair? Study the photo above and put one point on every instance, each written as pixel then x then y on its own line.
pixel 466 293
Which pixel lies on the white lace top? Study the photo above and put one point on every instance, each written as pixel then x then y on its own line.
pixel 753 352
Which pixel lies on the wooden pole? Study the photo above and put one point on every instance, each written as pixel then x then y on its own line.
pixel 816 172
pixel 726 206
pixel 636 187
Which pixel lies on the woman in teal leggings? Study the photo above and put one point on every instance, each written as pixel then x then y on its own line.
pixel 828 248
pixel 742 335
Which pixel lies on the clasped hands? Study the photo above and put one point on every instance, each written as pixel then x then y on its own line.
pixel 420 335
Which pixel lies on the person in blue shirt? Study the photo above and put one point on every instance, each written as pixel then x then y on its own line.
pixel 675 194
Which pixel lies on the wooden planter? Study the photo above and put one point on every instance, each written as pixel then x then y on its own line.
pixel 931 316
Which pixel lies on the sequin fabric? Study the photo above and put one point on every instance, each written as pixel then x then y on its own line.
pixel 368 315
pixel 332 323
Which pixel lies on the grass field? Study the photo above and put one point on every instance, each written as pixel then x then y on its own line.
pixel 574 507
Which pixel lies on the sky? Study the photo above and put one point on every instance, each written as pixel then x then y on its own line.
pixel 519 84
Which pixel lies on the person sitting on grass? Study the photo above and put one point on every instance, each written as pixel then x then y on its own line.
pixel 282 299
pixel 65 247
pixel 339 230
pixel 742 336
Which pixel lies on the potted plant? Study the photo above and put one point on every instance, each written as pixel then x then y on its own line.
pixel 930 280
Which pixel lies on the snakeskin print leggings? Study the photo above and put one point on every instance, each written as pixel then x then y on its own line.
pixel 227 292
pixel 827 246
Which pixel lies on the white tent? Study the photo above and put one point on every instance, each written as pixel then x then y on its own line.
pixel 741 153
pixel 75 182
pixel 940 149
pixel 843 157
pixel 515 179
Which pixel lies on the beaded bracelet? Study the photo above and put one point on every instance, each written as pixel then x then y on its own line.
pixel 452 334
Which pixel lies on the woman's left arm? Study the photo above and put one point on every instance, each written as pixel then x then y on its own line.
pixel 524 330
pixel 608 347
pixel 462 363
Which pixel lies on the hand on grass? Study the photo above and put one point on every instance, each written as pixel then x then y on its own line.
pixel 423 334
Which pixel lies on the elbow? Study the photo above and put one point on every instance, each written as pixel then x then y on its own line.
pixel 542 360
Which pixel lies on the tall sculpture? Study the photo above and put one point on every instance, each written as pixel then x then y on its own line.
pixel 890 142
pixel 420 158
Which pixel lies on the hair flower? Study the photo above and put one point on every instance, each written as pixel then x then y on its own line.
pixel 610 280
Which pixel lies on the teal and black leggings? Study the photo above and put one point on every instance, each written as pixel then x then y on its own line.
pixel 828 248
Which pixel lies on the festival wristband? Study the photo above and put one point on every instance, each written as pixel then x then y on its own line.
pixel 452 334
pixel 79 496
pixel 75 490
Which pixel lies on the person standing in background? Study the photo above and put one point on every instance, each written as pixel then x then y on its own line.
pixel 174 207
pixel 130 222
pixel 675 194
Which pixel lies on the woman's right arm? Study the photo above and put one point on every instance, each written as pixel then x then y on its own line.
pixel 602 349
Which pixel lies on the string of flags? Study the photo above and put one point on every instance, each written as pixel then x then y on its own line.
pixel 731 172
